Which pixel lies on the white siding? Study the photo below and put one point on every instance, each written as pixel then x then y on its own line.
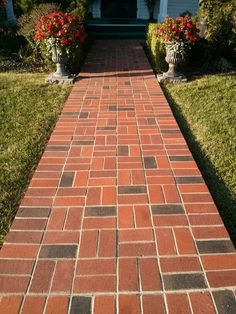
pixel 95 8
pixel 176 7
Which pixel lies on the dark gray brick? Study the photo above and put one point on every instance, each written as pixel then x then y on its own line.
pixel 58 251
pixel 151 121
pixel 132 189
pixel 33 212
pixel 100 211
pixel 83 143
pixel 70 113
pixel 180 158
pixel 106 128
pixel 123 151
pixel 225 301
pixel 189 180
pixel 57 148
pixel 184 281
pixel 81 305
pixel 67 179
pixel 169 131
pixel 167 209
pixel 83 115
pixel 215 246
pixel 150 162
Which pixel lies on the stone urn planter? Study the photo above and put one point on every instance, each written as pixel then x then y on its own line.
pixel 174 56
pixel 60 76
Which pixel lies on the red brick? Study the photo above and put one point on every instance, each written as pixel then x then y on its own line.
pixel 63 276
pixel 219 279
pixel 24 237
pixel 74 218
pixel 178 303
pixel 69 201
pixel 45 183
pixel 153 304
pixel 97 163
pixel 160 180
pixel 219 262
pixel 16 267
pixel 205 220
pixel 102 181
pixel 105 283
pixel 28 224
pixel 109 195
pixel 10 304
pixel 33 302
pixel 19 251
pixel 165 242
pixel 71 191
pixel 107 243
pixel 57 305
pixel 128 275
pixel 171 194
pixel 13 284
pixel 61 237
pixel 125 217
pixel 124 177
pixel 88 244
pixel 150 274
pixel 104 304
pixel 142 216
pixel 184 240
pixel 42 276
pixel 210 232
pixel 96 267
pixel 94 196
pixel 201 302
pixel 133 199
pixel 99 223
pixel 57 219
pixel 137 249
pixel 192 188
pixel 135 235
pixel 37 201
pixel 138 177
pixel 81 178
pixel 170 220
pixel 129 304
pixel 156 194
pixel 197 198
pixel 180 264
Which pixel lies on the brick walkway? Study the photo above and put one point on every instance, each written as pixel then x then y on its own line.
pixel 117 218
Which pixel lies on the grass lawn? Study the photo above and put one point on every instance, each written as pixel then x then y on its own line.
pixel 206 112
pixel 28 112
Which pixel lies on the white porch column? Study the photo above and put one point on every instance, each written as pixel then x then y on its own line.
pixel 163 10
pixel 10 12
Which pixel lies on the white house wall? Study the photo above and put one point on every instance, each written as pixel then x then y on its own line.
pixel 176 7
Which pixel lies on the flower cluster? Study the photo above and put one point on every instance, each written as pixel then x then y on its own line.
pixel 179 29
pixel 60 29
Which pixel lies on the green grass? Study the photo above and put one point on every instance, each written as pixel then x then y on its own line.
pixel 206 112
pixel 28 111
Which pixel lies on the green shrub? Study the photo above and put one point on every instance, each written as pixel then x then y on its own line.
pixel 27 24
pixel 221 26
pixel 156 48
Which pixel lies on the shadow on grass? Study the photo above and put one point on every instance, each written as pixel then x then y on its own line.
pixel 224 199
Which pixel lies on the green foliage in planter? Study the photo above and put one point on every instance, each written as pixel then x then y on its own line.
pixel 156 48
pixel 221 26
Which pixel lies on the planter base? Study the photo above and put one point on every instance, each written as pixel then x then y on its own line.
pixel 164 78
pixel 55 79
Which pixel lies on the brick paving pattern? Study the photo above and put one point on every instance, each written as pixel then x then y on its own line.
pixel 117 217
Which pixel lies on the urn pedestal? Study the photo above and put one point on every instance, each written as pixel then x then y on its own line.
pixel 174 56
pixel 60 76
